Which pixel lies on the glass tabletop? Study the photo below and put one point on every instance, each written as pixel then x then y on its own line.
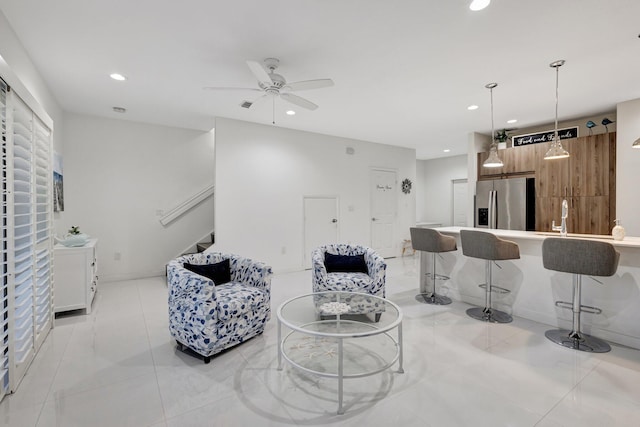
pixel 339 314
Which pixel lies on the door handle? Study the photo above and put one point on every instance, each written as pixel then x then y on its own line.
pixel 571 196
pixel 334 220
pixel 374 219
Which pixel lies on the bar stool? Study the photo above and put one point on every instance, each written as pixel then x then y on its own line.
pixel 432 241
pixel 579 257
pixel 483 245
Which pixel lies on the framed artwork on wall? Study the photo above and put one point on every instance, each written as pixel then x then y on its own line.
pixel 58 193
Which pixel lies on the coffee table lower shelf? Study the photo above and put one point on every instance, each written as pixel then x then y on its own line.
pixel 313 348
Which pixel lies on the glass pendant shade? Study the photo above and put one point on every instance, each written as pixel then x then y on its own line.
pixel 556 150
pixel 493 161
pixel 636 144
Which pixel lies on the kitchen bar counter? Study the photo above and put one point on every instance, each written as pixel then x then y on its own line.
pixel 632 242
pixel 534 289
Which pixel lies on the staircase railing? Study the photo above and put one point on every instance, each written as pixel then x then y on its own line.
pixel 187 205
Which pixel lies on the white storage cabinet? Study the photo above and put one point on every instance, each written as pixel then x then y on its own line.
pixel 75 276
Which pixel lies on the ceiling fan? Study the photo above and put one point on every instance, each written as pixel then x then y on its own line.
pixel 275 85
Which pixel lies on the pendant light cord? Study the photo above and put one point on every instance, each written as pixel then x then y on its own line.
pixel 493 135
pixel 493 161
pixel 556 138
pixel 491 86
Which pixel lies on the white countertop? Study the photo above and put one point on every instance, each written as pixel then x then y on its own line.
pixel 628 242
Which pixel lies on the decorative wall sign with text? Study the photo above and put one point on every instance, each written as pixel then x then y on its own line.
pixel 546 136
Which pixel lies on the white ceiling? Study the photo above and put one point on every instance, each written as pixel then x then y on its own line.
pixel 404 71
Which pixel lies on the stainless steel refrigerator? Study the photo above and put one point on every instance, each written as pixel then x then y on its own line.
pixel 509 204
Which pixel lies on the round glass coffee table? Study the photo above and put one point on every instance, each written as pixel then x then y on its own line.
pixel 340 335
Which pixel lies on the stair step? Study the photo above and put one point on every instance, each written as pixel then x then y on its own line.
pixel 201 247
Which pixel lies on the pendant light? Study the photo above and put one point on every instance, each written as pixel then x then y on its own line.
pixel 493 161
pixel 556 151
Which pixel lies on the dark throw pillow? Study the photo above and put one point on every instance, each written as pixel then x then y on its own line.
pixel 220 272
pixel 345 263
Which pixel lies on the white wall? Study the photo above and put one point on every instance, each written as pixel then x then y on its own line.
pixel 119 174
pixel 263 172
pixel 476 143
pixel 628 166
pixel 435 189
pixel 17 59
pixel 21 74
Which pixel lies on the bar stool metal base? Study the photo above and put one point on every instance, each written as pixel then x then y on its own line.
pixel 433 299
pixel 438 276
pixel 489 315
pixel 577 341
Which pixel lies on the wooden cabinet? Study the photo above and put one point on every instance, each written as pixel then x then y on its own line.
pixel 586 179
pixel 591 168
pixel 75 277
pixel 552 176
pixel 587 215
pixel 549 209
pixel 517 160
pixel 591 215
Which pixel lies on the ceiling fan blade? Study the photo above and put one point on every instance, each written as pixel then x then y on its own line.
pixel 310 84
pixel 232 88
pixel 294 99
pixel 261 74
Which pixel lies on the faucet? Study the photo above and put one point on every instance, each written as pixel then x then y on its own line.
pixel 563 226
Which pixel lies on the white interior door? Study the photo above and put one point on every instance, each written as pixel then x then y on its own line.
pixel 320 224
pixel 459 212
pixel 384 209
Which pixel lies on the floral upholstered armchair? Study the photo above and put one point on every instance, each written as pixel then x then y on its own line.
pixel 368 280
pixel 208 316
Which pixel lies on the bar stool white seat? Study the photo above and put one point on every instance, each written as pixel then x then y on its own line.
pixel 579 257
pixel 434 242
pixel 487 246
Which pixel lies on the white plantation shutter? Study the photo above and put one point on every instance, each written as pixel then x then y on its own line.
pixel 23 235
pixel 26 294
pixel 4 265
pixel 43 221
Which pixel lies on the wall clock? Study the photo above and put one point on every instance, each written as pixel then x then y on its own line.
pixel 406 186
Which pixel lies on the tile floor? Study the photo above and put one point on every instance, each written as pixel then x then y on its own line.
pixel 118 367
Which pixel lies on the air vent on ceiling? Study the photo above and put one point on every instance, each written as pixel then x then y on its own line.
pixel 246 104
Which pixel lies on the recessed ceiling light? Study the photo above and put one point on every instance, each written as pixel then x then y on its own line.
pixel 472 107
pixel 479 4
pixel 116 76
pixel 446 150
pixel 291 113
pixel 119 109
pixel 512 121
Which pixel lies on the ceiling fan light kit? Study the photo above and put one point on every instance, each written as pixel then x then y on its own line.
pixel 276 86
